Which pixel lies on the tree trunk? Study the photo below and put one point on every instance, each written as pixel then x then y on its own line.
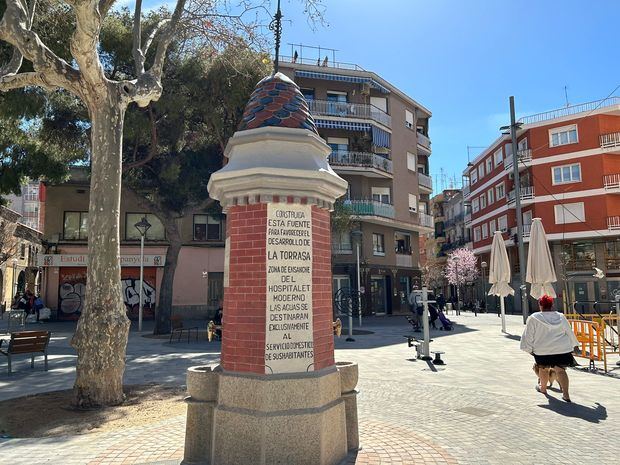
pixel 163 310
pixel 101 336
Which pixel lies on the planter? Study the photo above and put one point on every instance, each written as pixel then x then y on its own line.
pixel 348 375
pixel 203 383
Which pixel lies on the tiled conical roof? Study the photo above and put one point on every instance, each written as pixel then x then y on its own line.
pixel 277 101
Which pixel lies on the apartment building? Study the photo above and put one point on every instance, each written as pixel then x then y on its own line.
pixel 380 142
pixel 19 246
pixel 29 204
pixel 569 164
pixel 198 283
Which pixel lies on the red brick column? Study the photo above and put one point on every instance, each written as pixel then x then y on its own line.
pixel 243 344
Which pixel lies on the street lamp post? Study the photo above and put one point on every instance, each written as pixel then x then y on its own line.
pixel 457 310
pixel 357 238
pixel 142 226
pixel 14 284
pixel 484 265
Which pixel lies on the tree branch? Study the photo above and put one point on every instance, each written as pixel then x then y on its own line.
pixel 157 68
pixel 153 147
pixel 15 30
pixel 138 56
pixel 85 40
pixel 20 80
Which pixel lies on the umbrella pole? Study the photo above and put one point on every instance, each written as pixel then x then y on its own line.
pixel 503 310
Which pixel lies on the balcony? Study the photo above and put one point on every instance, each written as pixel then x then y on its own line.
pixel 426 220
pixel 467 219
pixel 341 249
pixel 357 163
pixel 612 263
pixel 525 158
pixel 611 182
pixel 527 228
pixel 613 223
pixel 610 142
pixel 349 110
pixel 527 195
pixel 424 142
pixel 425 182
pixel 580 264
pixel 371 208
pixel 466 191
pixel 404 260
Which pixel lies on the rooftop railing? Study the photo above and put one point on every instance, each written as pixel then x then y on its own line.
pixel 322 63
pixel 360 159
pixel 571 110
pixel 349 110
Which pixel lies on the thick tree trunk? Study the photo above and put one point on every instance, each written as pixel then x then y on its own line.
pixel 163 311
pixel 102 331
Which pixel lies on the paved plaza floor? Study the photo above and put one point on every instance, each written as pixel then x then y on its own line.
pixel 479 408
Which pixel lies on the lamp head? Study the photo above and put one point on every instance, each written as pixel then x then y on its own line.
pixel 143 226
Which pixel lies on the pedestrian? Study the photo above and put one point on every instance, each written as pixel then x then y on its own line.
pixel 548 336
pixel 416 307
pixel 22 303
pixel 38 305
pixel 433 314
pixel 441 302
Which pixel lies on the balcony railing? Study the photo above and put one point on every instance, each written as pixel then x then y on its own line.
pixel 580 264
pixel 527 228
pixel 613 222
pixel 349 110
pixel 426 220
pixel 466 191
pixel 572 110
pixel 404 260
pixel 341 249
pixel 424 141
pixel 610 140
pixel 467 219
pixel 425 181
pixel 611 181
pixel 612 263
pixel 31 197
pixel 525 156
pixel 527 193
pixel 371 208
pixel 360 159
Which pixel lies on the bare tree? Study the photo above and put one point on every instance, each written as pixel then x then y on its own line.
pixel 8 244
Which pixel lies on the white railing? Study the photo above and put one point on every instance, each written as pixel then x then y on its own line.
pixel 613 222
pixel 371 207
pixel 320 62
pixel 526 230
pixel 525 156
pixel 572 110
pixel 404 260
pixel 425 181
pixel 341 249
pixel 611 181
pixel 426 220
pixel 424 141
pixel 349 110
pixel 467 218
pixel 361 159
pixel 527 193
pixel 610 140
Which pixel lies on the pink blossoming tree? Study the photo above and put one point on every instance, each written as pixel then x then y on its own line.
pixel 461 268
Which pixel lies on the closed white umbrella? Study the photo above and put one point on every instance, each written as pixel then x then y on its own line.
pixel 540 270
pixel 499 273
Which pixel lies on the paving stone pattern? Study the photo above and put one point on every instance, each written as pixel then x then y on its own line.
pixel 480 408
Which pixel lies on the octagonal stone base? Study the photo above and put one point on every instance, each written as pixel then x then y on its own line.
pixel 280 419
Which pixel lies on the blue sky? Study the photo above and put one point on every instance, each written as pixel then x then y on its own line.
pixel 455 58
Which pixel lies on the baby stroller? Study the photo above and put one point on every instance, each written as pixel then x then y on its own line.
pixel 446 325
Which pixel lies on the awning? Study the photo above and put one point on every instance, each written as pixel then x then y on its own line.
pixel 380 137
pixel 348 125
pixel 342 78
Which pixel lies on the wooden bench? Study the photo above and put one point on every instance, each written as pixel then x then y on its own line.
pixel 27 342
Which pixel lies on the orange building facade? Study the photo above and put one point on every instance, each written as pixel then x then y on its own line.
pixel 569 165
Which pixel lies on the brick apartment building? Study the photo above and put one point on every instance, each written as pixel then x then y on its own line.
pixel 569 163
pixel 380 142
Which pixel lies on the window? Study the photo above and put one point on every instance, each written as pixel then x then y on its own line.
pixel 473 175
pixel 413 203
pixel 402 243
pixel 411 162
pixel 562 136
pixel 491 195
pixel 341 242
pixel 489 164
pixel 502 223
pixel 75 226
pixel 155 232
pixel 566 174
pixel 481 171
pixel 500 193
pixel 422 206
pixel 475 205
pixel 380 103
pixel 381 194
pixel 508 150
pixel 477 234
pixel 408 119
pixel 338 144
pixel 483 202
pixel 498 156
pixel 207 228
pixel 22 252
pixel 378 244
pixel 337 103
pixel 308 93
pixel 492 228
pixel 569 213
pixel 336 96
pixel 522 145
pixel 485 231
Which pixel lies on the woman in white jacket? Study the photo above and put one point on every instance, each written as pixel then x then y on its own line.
pixel 549 337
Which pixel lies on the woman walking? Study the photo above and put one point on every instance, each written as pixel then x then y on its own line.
pixel 549 337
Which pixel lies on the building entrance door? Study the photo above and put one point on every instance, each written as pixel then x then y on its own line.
pixel 215 291
pixel 378 295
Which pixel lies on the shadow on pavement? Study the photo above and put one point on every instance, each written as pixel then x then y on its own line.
pixel 589 414
pixel 514 337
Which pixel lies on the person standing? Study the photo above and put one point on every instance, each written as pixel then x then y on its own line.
pixel 548 336
pixel 416 307
pixel 441 302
